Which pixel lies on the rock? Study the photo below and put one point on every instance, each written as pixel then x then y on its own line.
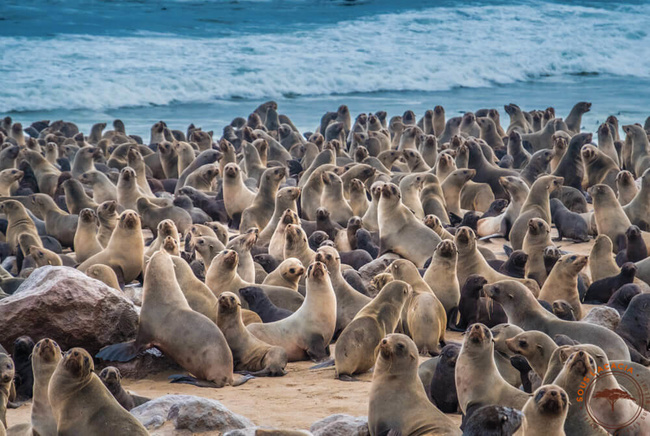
pixel 341 425
pixel 605 316
pixel 66 305
pixel 188 412
pixel 134 293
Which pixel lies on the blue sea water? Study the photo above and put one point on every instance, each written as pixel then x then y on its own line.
pixel 208 61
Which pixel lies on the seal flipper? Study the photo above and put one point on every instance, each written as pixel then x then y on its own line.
pixel 120 276
pixel 188 379
pixel 325 364
pixel 122 352
pixel 521 364
pixel 453 318
pixel 318 350
pixel 508 250
pixel 347 378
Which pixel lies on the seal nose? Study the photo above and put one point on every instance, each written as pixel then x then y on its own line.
pixel 384 341
pixel 553 393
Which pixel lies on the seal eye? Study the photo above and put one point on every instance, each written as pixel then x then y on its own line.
pixel 523 344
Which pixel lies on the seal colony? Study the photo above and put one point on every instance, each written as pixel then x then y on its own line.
pixel 359 246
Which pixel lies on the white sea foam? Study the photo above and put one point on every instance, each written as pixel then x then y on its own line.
pixel 429 50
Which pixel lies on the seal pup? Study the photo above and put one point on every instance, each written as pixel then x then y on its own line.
pixel 478 382
pixel 259 303
pixel 354 352
pixel 168 322
pixel 443 382
pixel 398 402
pixel 526 312
pixel 569 224
pixel 307 333
pixel 78 398
pixel 249 353
pixel 494 421
pixel 112 379
pixel 545 411
pixel 600 291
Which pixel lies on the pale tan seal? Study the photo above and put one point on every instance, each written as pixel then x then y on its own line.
pixel 333 199
pixel 107 216
pixel 287 274
pixel 86 243
pixel 58 223
pixel 545 411
pixel 197 294
pixel 8 179
pixel 348 300
pixel 398 401
pixel 423 317
pixel 276 244
pixel 625 187
pixel 165 228
pixel 7 386
pixel 286 199
pixel 249 353
pixel 306 333
pixel 125 250
pixel 296 245
pixel 260 212
pixel 524 310
pixel 538 237
pixel 222 276
pixel 536 347
pixel 400 231
pixel 562 282
pixel 354 352
pixel 443 264
pixel 610 217
pixel 104 274
pixel 19 222
pixel 78 397
pixel 478 382
pixel 236 196
pixel 471 261
pixel 168 322
pixel 536 206
pixel 45 358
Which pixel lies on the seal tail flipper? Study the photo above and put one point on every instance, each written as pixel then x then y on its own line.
pixel 188 379
pixel 347 378
pixel 325 364
pixel 239 379
pixel 453 318
pixel 122 352
pixel 488 237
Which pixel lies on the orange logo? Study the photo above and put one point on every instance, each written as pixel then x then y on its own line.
pixel 630 397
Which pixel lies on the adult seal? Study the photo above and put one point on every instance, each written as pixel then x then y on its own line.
pixel 82 405
pixel 524 311
pixel 354 352
pixel 168 322
pixel 249 353
pixel 478 381
pixel 307 333
pixel 398 402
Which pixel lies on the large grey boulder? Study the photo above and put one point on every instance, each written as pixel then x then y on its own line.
pixel 341 425
pixel 188 412
pixel 66 305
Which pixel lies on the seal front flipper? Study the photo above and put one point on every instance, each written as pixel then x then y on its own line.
pixel 122 352
pixel 188 379
pixel 318 350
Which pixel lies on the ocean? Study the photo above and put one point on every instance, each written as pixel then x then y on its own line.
pixel 207 62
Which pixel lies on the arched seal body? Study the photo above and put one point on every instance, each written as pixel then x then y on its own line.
pixel 354 352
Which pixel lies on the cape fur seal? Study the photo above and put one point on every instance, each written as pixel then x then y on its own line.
pixel 82 405
pixel 398 402
pixel 169 323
